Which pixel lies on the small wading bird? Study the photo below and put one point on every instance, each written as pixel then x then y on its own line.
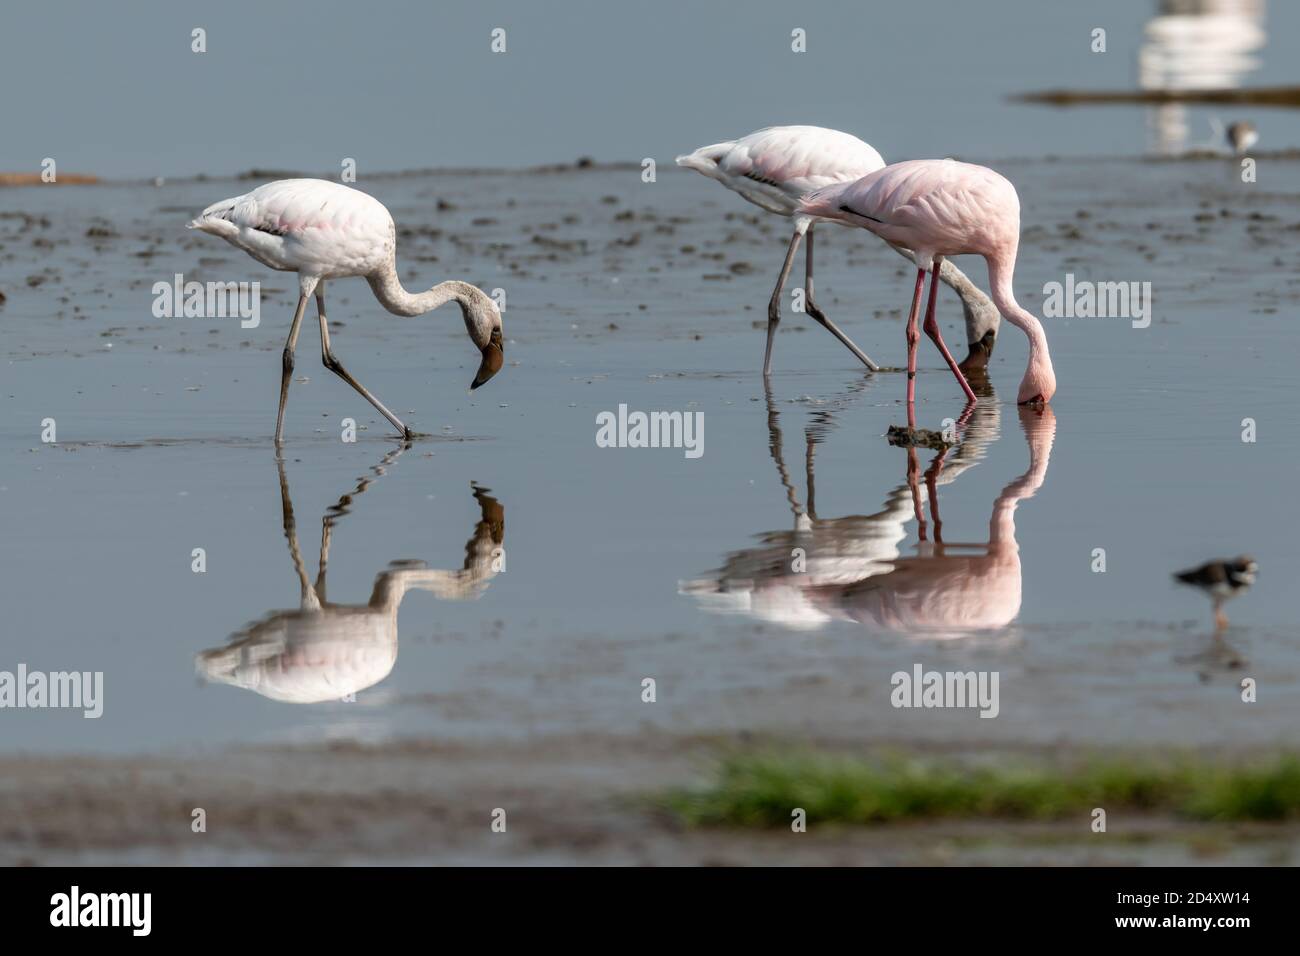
pixel 775 168
pixel 1221 580
pixel 323 230
pixel 1242 136
pixel 939 208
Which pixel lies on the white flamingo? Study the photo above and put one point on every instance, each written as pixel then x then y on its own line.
pixel 323 650
pixel 774 168
pixel 323 230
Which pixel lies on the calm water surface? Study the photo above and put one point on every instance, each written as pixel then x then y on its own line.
pixel 508 578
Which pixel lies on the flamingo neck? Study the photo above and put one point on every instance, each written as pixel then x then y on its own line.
pixel 390 587
pixel 1040 432
pixel 393 297
pixel 1001 271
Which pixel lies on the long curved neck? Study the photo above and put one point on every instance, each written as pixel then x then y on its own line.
pixel 1001 271
pixel 1040 433
pixel 388 290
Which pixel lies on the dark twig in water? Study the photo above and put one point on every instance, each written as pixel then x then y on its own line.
pixel 1258 96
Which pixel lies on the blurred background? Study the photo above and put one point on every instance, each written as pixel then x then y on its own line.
pixel 415 85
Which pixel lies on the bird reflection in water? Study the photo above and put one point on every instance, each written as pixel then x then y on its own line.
pixel 852 568
pixel 324 651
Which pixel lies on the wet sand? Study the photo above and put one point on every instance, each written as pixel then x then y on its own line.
pixel 529 696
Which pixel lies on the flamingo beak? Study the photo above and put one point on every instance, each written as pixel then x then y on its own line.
pixel 493 359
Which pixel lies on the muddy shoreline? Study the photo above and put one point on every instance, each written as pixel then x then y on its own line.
pixel 567 801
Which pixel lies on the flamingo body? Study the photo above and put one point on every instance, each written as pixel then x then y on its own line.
pixel 312 226
pixel 934 207
pixel 940 208
pixel 775 167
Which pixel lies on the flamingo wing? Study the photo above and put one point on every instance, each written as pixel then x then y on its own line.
pixel 927 205
pixel 776 166
pixel 306 225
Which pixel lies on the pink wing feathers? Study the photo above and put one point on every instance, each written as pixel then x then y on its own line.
pixel 309 225
pixel 931 206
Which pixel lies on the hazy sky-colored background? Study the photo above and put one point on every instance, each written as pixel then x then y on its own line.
pixel 113 88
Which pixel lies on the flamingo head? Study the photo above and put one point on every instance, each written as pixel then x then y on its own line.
pixel 483 322
pixel 493 359
pixel 1039 384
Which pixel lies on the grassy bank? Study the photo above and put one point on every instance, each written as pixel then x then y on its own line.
pixel 761 790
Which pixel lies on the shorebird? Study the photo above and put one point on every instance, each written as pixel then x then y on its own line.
pixel 939 208
pixel 774 168
pixel 1221 580
pixel 323 230
pixel 324 651
pixel 1241 136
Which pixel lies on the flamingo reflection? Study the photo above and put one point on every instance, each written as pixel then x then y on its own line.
pixel 852 568
pixel 324 651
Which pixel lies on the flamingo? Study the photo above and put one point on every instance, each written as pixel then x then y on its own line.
pixel 774 168
pixel 325 651
pixel 856 569
pixel 939 208
pixel 324 230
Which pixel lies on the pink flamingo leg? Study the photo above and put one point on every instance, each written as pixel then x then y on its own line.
pixel 932 330
pixel 932 486
pixel 913 337
pixel 913 472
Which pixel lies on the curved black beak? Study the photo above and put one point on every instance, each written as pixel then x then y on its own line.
pixel 493 359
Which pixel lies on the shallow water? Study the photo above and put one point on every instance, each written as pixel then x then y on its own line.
pixel 648 295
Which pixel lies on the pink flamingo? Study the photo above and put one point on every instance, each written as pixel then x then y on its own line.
pixel 938 208
pixel 774 168
pixel 856 569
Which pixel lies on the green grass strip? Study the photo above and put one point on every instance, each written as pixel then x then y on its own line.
pixel 761 790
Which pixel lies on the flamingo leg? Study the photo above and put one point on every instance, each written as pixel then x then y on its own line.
pixel 286 366
pixel 810 451
pixel 982 318
pixel 774 304
pixel 811 308
pixel 322 564
pixel 913 337
pixel 913 473
pixel 308 599
pixel 932 330
pixel 335 366
pixel 932 486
